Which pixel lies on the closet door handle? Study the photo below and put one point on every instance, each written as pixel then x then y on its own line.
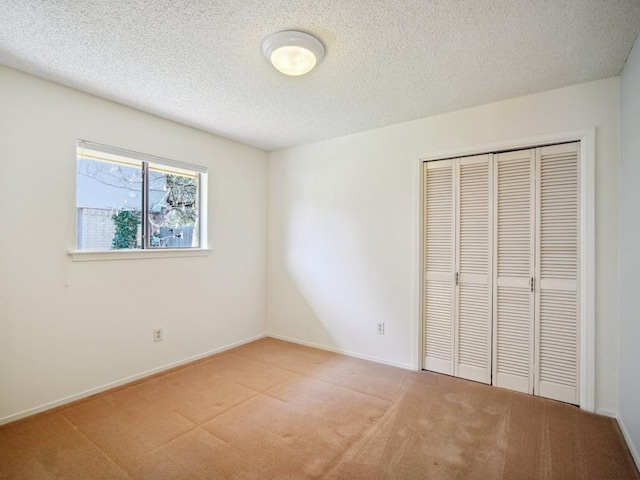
pixel 457 279
pixel 532 284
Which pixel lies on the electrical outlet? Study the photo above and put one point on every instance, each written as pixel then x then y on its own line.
pixel 381 328
pixel 157 335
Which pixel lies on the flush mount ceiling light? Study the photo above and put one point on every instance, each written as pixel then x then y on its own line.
pixel 293 53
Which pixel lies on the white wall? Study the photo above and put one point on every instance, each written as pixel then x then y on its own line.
pixel 57 341
pixel 340 246
pixel 341 250
pixel 630 249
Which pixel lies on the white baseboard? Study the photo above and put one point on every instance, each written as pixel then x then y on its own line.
pixel 606 413
pixel 404 366
pixel 117 383
pixel 627 437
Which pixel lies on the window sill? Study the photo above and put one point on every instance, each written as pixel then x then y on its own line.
pixel 78 256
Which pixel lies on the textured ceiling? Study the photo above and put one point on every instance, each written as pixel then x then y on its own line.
pixel 199 62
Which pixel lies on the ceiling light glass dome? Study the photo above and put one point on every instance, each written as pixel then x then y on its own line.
pixel 293 53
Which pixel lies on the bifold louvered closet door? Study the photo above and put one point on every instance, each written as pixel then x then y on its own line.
pixel 501 269
pixel 513 307
pixel 536 271
pixel 557 268
pixel 457 239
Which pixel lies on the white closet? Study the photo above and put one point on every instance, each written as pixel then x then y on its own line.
pixel 501 269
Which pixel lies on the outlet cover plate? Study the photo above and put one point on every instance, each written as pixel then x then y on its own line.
pixel 157 335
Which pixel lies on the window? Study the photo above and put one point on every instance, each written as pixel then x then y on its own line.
pixel 132 201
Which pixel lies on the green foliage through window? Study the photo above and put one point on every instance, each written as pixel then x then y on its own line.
pixel 126 234
pixel 182 197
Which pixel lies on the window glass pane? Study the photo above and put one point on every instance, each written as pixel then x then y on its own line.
pixel 173 208
pixel 128 200
pixel 109 203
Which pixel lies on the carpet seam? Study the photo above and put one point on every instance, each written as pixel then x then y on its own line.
pixel 174 439
pixel 121 467
pixel 368 433
pixel 322 380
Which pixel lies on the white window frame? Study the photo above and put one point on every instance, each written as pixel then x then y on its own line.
pixel 146 252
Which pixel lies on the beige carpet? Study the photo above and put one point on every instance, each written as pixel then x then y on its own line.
pixel 276 410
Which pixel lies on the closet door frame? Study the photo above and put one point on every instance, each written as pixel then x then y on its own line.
pixel 586 137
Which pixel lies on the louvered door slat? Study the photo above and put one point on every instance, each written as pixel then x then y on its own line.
pixel 439 266
pixel 513 250
pixel 557 256
pixel 473 260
